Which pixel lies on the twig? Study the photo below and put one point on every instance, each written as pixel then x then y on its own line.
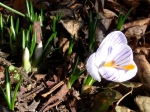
pixel 53 89
pixel 125 96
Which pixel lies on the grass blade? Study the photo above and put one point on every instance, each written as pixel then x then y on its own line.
pixel 33 43
pixel 8 87
pixel 15 93
pixel 15 11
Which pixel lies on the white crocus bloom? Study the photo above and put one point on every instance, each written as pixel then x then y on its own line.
pixel 113 60
pixel 39 50
pixel 26 60
pixel 37 54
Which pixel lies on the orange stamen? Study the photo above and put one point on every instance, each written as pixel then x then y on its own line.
pixel 129 67
pixel 112 64
pixel 109 64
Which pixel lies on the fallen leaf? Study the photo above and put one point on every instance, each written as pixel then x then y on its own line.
pixel 107 14
pixel 143 103
pixel 40 76
pixel 19 5
pixel 143 70
pixel 142 50
pixel 50 84
pixel 136 23
pixel 123 109
pixel 32 107
pixel 65 46
pixel 66 13
pixel 55 98
pixel 72 26
pixel 131 84
pixel 112 85
pixel 104 99
pixel 136 31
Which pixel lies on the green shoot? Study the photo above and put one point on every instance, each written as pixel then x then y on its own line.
pixel 75 74
pixel 71 44
pixel 10 100
pixel 87 83
pixel 33 44
pixel 46 47
pixel 41 16
pixel 92 28
pixel 23 40
pixel 54 34
pixel 1 28
pixel 122 18
pixel 9 8
pixel 14 31
pixel 89 80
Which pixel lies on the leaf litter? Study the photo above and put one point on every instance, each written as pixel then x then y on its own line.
pixel 47 89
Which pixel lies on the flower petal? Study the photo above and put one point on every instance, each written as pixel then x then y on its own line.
pixel 102 54
pixel 110 73
pixel 116 75
pixel 121 54
pixel 129 74
pixel 92 68
pixel 115 38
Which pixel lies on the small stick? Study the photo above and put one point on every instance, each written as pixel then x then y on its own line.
pixel 125 96
pixel 53 89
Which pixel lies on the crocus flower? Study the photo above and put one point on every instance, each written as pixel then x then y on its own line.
pixel 26 60
pixel 113 60
pixel 37 54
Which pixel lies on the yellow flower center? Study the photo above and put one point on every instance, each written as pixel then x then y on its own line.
pixel 112 64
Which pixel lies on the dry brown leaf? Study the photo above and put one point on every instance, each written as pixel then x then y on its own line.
pixel 72 26
pixel 99 34
pixel 132 3
pixel 143 70
pixel 143 103
pixel 24 107
pixel 76 6
pixel 2 76
pixel 1 8
pixel 40 76
pixel 107 14
pixel 32 107
pixel 73 105
pixel 65 47
pixel 142 50
pixel 136 31
pixel 50 84
pixel 136 23
pixel 19 5
pixel 37 28
pixel 45 5
pixel 66 13
pixel 58 96
pixel 123 109
pixel 104 23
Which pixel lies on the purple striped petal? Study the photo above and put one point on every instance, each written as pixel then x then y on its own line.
pixel 92 68
pixel 102 53
pixel 129 74
pixel 110 73
pixel 116 75
pixel 115 38
pixel 122 55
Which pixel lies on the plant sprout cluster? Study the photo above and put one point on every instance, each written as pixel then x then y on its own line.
pixel 33 53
